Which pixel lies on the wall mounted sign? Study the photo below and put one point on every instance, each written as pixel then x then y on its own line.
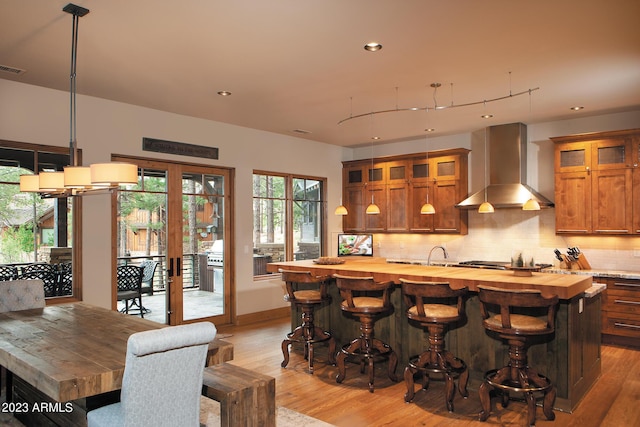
pixel 179 148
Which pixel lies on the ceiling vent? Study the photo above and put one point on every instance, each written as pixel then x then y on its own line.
pixel 12 70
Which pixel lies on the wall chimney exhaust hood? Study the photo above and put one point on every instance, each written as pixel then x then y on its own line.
pixel 507 163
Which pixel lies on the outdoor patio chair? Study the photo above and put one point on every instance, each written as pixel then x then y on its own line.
pixel 129 279
pixel 45 272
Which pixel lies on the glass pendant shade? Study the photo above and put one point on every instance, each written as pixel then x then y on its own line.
pixel 531 205
pixel 114 173
pixel 372 209
pixel 51 181
pixel 486 207
pixel 29 183
pixel 427 209
pixel 341 210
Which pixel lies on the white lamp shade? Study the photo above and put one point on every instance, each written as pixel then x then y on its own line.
pixel 341 210
pixel 29 183
pixel 486 207
pixel 427 209
pixel 77 177
pixel 114 173
pixel 51 181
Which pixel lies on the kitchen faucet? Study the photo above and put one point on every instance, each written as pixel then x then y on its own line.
pixel 444 250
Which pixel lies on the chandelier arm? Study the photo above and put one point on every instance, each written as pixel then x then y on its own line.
pixel 443 107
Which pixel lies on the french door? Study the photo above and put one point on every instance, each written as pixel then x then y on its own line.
pixel 171 222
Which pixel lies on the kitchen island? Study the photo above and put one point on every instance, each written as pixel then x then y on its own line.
pixel 571 357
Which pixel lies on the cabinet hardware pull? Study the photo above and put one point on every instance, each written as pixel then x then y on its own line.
pixel 621 301
pixel 626 325
pixel 626 284
pixel 612 231
pixel 565 230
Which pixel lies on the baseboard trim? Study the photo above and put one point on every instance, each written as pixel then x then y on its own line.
pixel 261 316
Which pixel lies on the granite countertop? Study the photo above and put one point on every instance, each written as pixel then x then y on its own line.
pixel 614 274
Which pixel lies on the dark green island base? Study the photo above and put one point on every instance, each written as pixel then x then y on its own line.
pixel 570 357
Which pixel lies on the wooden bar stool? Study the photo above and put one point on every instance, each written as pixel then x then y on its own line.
pixel 307 299
pixel 517 376
pixel 434 305
pixel 366 299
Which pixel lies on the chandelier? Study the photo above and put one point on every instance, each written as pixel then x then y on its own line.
pixel 76 179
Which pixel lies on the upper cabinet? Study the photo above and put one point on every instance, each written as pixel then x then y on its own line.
pixel 597 183
pixel 400 185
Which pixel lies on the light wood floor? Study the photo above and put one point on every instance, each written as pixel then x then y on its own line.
pixel 614 401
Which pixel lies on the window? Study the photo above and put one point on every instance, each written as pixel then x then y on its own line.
pixel 288 219
pixel 36 234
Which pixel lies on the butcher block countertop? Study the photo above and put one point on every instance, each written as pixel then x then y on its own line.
pixel 566 286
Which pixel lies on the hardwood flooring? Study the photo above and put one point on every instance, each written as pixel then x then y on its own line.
pixel 613 401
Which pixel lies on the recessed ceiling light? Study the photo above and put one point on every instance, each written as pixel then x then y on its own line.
pixel 577 108
pixel 375 138
pixel 224 93
pixel 373 46
pixel 486 116
pixel 429 130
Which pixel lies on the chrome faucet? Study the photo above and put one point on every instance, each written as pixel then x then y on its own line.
pixel 446 255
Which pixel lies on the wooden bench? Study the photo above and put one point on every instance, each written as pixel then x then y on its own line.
pixel 247 398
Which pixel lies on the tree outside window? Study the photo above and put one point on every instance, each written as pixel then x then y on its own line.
pixel 288 218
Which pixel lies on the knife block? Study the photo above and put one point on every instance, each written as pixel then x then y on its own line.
pixel 580 264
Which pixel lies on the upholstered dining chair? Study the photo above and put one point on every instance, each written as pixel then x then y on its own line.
pixel 17 295
pixel 162 379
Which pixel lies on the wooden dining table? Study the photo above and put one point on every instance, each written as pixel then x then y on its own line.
pixel 68 359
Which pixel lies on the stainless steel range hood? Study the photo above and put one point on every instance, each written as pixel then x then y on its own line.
pixel 507 163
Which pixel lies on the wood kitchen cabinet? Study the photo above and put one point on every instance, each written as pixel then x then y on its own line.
pixel 400 185
pixel 594 183
pixel 621 311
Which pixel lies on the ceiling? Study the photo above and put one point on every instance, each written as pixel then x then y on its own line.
pixel 299 65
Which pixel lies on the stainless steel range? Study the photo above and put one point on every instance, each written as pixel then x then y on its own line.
pixel 493 265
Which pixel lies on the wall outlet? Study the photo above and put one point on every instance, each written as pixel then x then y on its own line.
pixel 636 253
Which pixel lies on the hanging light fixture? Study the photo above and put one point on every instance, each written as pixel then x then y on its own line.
pixel 531 204
pixel 485 207
pixel 341 210
pixel 76 179
pixel 372 209
pixel 427 208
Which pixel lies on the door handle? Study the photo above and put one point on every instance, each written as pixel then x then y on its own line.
pixel 170 270
pixel 178 266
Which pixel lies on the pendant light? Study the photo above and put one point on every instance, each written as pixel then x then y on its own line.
pixel 531 204
pixel 76 179
pixel 372 209
pixel 341 210
pixel 427 208
pixel 485 207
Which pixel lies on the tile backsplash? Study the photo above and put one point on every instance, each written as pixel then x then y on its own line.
pixel 493 237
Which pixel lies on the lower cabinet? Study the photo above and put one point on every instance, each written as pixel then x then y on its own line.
pixel 621 311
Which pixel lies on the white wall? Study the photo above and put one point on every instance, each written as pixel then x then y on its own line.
pixel 37 115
